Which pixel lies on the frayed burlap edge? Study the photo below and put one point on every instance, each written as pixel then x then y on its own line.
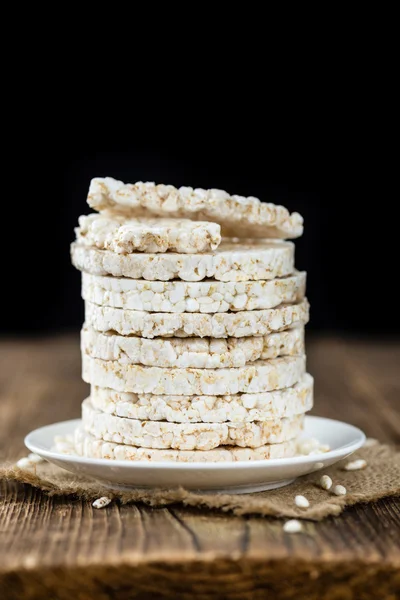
pixel 381 478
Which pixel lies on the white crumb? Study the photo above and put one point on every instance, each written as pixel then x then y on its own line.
pixel 339 490
pixel 292 526
pixel 370 442
pixel 35 458
pixel 325 482
pixel 24 463
pixel 355 465
pixel 101 502
pixel 301 502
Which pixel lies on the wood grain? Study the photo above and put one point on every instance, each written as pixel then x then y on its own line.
pixel 54 548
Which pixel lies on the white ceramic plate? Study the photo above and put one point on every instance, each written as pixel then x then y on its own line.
pixel 231 477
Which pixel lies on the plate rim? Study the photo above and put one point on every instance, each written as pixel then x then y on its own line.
pixel 346 449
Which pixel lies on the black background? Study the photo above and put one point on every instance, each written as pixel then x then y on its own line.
pixel 346 248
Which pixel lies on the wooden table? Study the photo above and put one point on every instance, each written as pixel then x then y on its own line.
pixel 53 548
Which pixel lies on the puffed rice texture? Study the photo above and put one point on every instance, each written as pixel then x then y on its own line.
pixel 199 297
pixel 124 236
pixel 198 353
pixel 187 436
pixel 257 377
pixel 238 216
pixel 90 447
pixel 219 325
pixel 231 261
pixel 246 408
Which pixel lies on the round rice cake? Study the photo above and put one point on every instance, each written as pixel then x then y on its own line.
pixel 187 436
pixel 198 353
pixel 90 447
pixel 124 236
pixel 248 217
pixel 219 325
pixel 199 297
pixel 245 408
pixel 231 261
pixel 260 376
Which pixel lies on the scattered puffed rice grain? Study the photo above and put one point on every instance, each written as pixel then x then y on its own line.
pixel 318 466
pixel 24 463
pixel 355 465
pixel 35 458
pixel 307 446
pixel 101 502
pixel 325 482
pixel 370 442
pixel 292 526
pixel 339 490
pixel 65 448
pixel 324 447
pixel 301 502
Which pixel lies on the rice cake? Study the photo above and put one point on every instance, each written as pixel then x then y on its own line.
pixel 90 447
pixel 219 325
pixel 200 297
pixel 259 376
pixel 124 236
pixel 237 215
pixel 231 261
pixel 245 408
pixel 187 436
pixel 198 353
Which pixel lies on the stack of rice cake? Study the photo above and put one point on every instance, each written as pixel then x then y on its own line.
pixel 193 343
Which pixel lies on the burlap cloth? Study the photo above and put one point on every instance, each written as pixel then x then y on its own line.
pixel 381 478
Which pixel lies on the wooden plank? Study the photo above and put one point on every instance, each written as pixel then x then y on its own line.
pixel 58 531
pixel 348 387
pixel 44 541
